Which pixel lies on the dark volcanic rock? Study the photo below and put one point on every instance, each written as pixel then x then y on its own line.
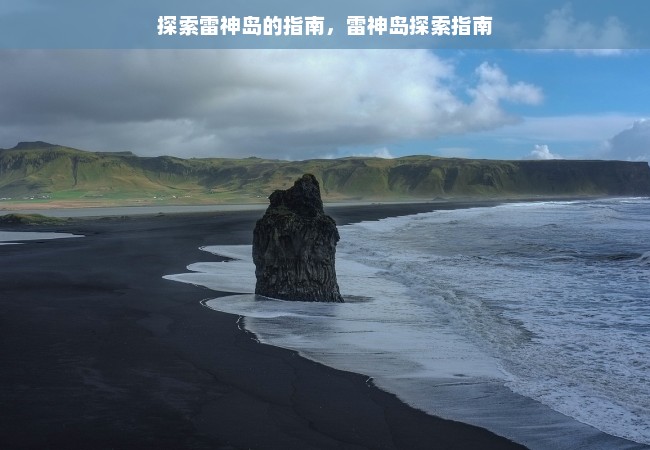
pixel 294 246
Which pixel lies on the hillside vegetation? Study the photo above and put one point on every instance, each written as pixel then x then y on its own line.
pixel 37 171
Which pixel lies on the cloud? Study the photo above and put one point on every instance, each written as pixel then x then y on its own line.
pixel 566 129
pixel 493 86
pixel 563 31
pixel 383 153
pixel 597 136
pixel 543 152
pixel 293 104
pixel 631 144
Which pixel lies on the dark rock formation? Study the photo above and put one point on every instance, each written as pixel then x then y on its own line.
pixel 294 246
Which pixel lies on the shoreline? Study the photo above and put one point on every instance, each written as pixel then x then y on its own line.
pixel 96 209
pixel 102 352
pixel 483 400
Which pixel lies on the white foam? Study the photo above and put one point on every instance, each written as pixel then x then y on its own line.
pixel 379 320
pixel 237 252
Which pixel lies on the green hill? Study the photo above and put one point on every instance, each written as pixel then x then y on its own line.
pixel 38 171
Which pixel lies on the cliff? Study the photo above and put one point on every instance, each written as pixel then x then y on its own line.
pixel 62 173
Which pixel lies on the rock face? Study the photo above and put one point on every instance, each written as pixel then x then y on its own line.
pixel 294 246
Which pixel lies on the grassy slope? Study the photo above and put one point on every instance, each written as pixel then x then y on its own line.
pixel 61 173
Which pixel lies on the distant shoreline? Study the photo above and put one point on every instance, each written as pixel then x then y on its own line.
pixel 96 209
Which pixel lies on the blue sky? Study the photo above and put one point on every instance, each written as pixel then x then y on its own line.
pixel 96 78
pixel 588 99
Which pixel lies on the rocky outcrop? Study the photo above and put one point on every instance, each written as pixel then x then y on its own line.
pixel 294 246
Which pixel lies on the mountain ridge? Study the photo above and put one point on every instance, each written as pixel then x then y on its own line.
pixel 40 170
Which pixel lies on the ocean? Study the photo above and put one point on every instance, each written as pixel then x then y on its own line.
pixel 529 319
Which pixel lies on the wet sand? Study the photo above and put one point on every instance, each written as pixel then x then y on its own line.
pixel 99 351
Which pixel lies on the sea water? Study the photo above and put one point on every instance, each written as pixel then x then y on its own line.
pixel 15 237
pixel 529 319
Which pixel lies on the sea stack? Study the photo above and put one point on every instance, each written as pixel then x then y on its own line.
pixel 294 246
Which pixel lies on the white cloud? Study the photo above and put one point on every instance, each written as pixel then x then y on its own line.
pixel 563 31
pixel 292 104
pixel 493 86
pixel 543 152
pixel 382 153
pixel 631 144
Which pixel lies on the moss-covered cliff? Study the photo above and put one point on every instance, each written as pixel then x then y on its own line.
pixel 47 171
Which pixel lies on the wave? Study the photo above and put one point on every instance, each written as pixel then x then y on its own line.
pixel 455 310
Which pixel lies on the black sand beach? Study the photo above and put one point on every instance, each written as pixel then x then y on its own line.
pixel 98 351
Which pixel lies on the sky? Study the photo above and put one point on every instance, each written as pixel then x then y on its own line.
pixel 591 102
